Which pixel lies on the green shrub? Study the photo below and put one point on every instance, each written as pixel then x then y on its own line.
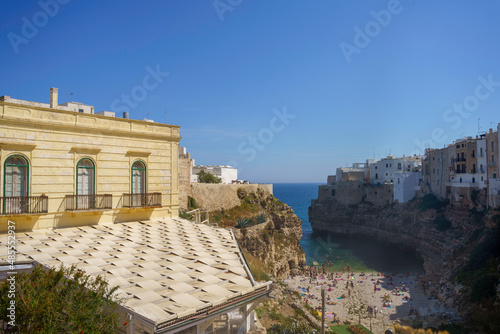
pixel 260 219
pixel 243 222
pixel 442 224
pixel 192 203
pixel 480 272
pixel 61 301
pixel 430 201
pixel 204 177
pixel 185 215
pixel 291 328
pixel 241 193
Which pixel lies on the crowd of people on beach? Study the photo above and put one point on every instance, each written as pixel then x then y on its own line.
pixel 340 285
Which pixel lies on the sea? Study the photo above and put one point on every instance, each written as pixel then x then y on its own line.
pixel 362 254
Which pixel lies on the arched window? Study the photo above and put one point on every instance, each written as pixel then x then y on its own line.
pixel 85 184
pixel 15 184
pixel 16 176
pixel 138 178
pixel 85 177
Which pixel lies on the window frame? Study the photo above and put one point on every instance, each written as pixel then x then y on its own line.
pixel 145 169
pixel 93 174
pixel 27 172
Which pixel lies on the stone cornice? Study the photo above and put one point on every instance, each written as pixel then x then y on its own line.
pixel 89 123
pixel 138 153
pixel 17 145
pixel 86 149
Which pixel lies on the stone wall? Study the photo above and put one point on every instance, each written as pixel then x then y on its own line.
pixel 380 195
pixel 185 162
pixel 349 192
pixel 326 191
pixel 214 197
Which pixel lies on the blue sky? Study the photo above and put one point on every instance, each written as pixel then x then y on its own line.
pixel 286 90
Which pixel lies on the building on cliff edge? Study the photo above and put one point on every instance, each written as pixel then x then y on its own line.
pixel 227 174
pixel 101 193
pixel 466 165
pixel 379 182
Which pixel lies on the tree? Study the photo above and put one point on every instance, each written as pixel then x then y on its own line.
pixel 204 177
pixel 60 301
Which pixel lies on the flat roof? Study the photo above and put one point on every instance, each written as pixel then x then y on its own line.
pixel 166 269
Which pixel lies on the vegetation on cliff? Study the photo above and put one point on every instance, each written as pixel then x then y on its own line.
pixel 204 177
pixel 268 232
pixel 58 301
pixel 481 276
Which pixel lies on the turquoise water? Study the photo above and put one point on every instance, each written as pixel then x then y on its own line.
pixel 361 253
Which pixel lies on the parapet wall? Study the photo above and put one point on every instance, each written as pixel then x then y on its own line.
pixel 213 197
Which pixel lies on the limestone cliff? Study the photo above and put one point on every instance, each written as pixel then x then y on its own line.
pixel 269 232
pixel 443 234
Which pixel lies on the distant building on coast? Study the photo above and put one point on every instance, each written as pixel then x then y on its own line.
pixel 377 182
pixel 453 172
pixel 227 174
pixel 382 171
pixel 468 164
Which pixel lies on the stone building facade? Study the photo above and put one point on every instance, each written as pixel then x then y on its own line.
pixel 467 164
pixel 60 167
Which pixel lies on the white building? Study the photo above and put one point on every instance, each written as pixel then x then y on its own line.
pixel 383 170
pixel 227 174
pixel 80 107
pixel 406 185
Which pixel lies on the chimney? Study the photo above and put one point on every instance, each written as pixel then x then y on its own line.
pixel 53 98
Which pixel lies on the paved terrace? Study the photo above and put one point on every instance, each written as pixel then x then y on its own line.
pixel 168 270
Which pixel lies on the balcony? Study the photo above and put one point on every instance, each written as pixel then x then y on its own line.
pixel 143 200
pixel 88 202
pixel 18 205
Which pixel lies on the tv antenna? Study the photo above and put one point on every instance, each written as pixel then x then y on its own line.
pixel 69 94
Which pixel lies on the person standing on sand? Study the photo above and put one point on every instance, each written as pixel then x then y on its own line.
pixel 374 288
pixel 375 310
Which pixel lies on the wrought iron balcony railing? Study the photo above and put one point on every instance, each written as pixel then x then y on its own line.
pixel 16 205
pixel 143 200
pixel 89 202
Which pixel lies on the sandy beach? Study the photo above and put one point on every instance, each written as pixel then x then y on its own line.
pixel 375 300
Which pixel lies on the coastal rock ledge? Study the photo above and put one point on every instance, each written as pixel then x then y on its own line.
pixel 443 234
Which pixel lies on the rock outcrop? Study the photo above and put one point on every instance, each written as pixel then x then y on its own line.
pixel 443 234
pixel 274 240
pixel 277 242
